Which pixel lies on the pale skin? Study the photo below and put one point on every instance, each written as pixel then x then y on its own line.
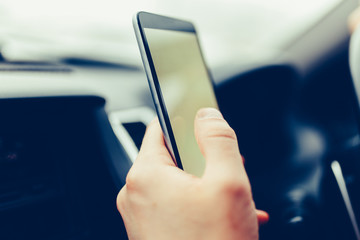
pixel 160 201
pixel 354 20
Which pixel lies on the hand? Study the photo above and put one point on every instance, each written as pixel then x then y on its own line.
pixel 160 201
pixel 354 20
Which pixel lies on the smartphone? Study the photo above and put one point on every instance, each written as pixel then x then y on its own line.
pixel 179 81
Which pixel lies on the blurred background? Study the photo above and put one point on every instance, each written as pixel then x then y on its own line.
pixel 246 31
pixel 75 104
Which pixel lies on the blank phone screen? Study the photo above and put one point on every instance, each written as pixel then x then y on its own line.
pixel 185 87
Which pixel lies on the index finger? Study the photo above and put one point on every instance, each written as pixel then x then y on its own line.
pixel 153 148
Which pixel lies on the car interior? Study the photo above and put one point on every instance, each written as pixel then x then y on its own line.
pixel 72 125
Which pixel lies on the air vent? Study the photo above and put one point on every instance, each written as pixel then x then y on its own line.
pixel 136 131
pixel 129 127
pixel 33 67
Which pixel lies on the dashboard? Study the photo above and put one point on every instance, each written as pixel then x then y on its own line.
pixel 55 178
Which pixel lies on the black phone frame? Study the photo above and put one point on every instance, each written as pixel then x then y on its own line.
pixel 154 21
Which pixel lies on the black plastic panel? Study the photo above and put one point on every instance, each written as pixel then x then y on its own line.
pixel 55 179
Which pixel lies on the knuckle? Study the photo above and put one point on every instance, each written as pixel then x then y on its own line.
pixel 220 130
pixel 121 199
pixel 235 189
pixel 138 177
pixel 229 133
pixel 132 179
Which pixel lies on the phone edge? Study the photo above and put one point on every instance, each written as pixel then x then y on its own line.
pixel 144 57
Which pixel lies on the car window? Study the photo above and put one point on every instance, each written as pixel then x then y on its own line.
pixel 244 30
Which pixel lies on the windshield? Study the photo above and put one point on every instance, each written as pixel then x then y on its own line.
pixel 244 30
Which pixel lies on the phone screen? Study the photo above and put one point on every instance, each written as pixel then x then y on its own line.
pixel 185 86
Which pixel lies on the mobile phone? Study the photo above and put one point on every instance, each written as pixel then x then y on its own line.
pixel 179 81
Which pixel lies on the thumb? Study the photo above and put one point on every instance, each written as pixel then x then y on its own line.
pixel 218 144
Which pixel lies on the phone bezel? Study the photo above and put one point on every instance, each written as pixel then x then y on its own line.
pixel 143 20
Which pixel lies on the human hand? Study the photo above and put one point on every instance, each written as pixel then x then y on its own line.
pixel 354 20
pixel 160 201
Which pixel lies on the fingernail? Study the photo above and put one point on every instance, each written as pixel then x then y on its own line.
pixel 206 113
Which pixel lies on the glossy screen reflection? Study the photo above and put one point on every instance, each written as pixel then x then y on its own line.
pixel 186 87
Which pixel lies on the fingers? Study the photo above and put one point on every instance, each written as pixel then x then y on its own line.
pixel 262 216
pixel 354 20
pixel 218 144
pixel 153 149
